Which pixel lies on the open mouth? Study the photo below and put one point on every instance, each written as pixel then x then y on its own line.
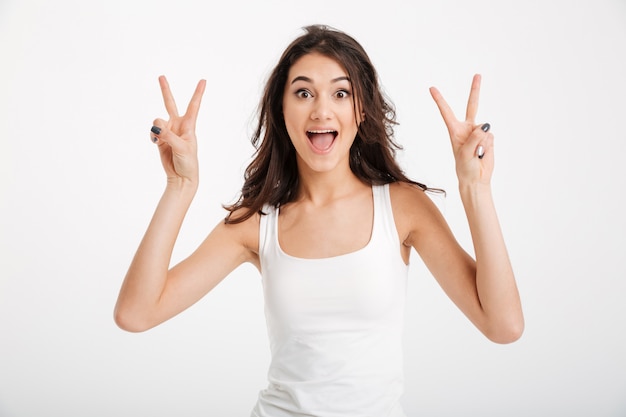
pixel 321 140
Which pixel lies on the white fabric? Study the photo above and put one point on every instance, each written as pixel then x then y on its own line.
pixel 335 325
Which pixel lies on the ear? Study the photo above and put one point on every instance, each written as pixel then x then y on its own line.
pixel 361 118
pixel 359 112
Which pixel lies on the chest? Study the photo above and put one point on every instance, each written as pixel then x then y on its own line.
pixel 332 291
pixel 357 290
pixel 314 233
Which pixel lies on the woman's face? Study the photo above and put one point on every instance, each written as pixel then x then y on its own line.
pixel 318 107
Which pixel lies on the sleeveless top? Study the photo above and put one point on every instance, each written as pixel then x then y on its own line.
pixel 335 325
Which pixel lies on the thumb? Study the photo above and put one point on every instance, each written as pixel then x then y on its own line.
pixel 160 134
pixel 480 141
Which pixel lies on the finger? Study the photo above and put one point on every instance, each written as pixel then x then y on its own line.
pixel 196 99
pixel 480 150
pixel 162 135
pixel 485 147
pixel 156 131
pixel 168 98
pixel 479 142
pixel 472 102
pixel 444 108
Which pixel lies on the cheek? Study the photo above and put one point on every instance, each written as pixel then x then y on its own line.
pixel 287 112
pixel 289 125
pixel 294 118
pixel 351 121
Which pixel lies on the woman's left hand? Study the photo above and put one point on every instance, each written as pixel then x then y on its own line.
pixel 469 140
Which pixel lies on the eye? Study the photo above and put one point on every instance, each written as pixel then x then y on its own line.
pixel 302 93
pixel 342 94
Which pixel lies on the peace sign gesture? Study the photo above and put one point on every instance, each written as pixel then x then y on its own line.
pixel 176 138
pixel 472 144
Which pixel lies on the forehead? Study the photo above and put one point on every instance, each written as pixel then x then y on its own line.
pixel 316 67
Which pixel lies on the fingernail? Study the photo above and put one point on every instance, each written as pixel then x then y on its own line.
pixel 480 152
pixel 485 127
pixel 155 139
pixel 156 130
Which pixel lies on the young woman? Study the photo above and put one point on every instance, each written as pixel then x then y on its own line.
pixel 329 219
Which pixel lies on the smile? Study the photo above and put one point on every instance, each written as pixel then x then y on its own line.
pixel 321 140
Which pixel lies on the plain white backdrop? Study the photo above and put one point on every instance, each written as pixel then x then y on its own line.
pixel 79 180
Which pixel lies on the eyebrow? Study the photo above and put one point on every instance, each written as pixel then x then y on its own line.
pixel 308 80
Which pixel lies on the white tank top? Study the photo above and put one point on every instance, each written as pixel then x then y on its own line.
pixel 335 325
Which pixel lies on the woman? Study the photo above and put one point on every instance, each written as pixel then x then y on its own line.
pixel 329 219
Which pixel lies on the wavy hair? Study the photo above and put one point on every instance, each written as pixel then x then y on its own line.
pixel 272 176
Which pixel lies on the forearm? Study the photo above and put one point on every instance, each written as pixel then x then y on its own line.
pixel 495 281
pixel 147 274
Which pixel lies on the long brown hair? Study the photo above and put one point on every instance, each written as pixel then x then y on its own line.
pixel 272 176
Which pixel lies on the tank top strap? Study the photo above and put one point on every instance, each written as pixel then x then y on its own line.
pixel 384 226
pixel 267 229
pixel 383 214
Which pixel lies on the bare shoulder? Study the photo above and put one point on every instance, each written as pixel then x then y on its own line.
pixel 244 235
pixel 413 210
pixel 409 200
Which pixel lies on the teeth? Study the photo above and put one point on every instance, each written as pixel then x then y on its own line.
pixel 322 131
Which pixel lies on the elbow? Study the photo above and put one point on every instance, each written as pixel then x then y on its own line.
pixel 128 321
pixel 506 337
pixel 506 333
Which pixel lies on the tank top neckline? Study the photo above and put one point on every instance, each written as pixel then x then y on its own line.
pixel 376 210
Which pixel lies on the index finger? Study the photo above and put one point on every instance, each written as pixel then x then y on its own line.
pixel 446 112
pixel 168 98
pixel 472 102
pixel 196 99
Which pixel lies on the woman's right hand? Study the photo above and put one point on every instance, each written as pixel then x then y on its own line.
pixel 177 137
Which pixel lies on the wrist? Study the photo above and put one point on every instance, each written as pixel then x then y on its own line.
pixel 184 186
pixel 473 190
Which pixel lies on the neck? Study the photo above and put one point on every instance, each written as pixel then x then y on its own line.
pixel 322 187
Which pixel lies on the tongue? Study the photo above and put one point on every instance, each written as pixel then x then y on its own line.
pixel 322 141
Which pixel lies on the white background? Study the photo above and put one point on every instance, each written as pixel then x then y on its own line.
pixel 79 179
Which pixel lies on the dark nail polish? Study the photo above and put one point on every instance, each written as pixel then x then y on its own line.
pixel 155 139
pixel 485 127
pixel 480 152
pixel 155 129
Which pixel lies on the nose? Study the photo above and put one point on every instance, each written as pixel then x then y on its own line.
pixel 322 109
